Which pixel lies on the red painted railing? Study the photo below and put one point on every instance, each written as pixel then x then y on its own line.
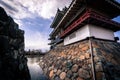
pixel 76 23
pixel 89 13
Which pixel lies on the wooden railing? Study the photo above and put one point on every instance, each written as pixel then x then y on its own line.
pixel 89 14
pixel 76 23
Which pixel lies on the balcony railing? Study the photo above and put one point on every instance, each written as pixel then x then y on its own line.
pixel 89 14
pixel 56 41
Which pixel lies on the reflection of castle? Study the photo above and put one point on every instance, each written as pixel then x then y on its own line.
pixel 85 18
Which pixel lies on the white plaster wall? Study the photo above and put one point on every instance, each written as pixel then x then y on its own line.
pixel 88 31
pixel 101 33
pixel 80 34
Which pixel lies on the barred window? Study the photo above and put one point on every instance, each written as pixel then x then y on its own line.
pixel 73 35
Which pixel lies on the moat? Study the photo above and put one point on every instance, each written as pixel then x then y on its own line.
pixel 34 68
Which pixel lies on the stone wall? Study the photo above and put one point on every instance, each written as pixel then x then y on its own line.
pixel 107 57
pixel 13 63
pixel 73 62
pixel 70 62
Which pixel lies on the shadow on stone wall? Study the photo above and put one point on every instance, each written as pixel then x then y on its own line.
pixel 13 63
pixel 73 62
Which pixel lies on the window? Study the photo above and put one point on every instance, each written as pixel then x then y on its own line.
pixel 73 35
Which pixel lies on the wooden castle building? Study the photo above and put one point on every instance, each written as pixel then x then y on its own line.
pixel 85 18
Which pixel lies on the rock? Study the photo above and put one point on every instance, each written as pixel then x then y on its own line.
pixel 50 68
pixel 69 57
pixel 69 64
pixel 69 74
pixel 14 63
pixel 67 79
pixel 74 68
pixel 55 70
pixel 98 67
pixel 74 61
pixel 56 78
pixel 83 73
pixel 63 69
pixel 46 70
pixel 57 65
pixel 3 14
pixel 64 63
pixel 51 73
pixel 82 57
pixel 85 48
pixel 87 55
pixel 58 72
pixel 62 75
pixel 99 75
pixel 80 46
pixel 89 61
pixel 75 75
pixel 79 78
pixel 21 66
pixel 86 67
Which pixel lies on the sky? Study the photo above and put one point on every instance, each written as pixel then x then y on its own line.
pixel 35 18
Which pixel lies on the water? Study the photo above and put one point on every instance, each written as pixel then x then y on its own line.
pixel 35 70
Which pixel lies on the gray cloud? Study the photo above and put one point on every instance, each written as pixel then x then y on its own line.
pixel 8 6
pixel 21 10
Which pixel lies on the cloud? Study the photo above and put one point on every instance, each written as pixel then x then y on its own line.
pixel 15 9
pixel 49 7
pixel 35 39
pixel 36 33
pixel 8 6
pixel 20 9
pixel 44 8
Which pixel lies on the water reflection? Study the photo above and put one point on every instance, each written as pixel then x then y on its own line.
pixel 35 70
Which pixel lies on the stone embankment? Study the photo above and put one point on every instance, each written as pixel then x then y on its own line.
pixel 73 62
pixel 13 63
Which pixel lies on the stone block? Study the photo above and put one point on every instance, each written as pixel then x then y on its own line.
pixel 56 78
pixel 55 70
pixel 51 73
pixel 69 74
pixel 58 72
pixel 75 68
pixel 79 78
pixel 82 57
pixel 100 75
pixel 87 55
pixel 85 48
pixel 67 79
pixel 62 75
pixel 83 73
pixel 99 67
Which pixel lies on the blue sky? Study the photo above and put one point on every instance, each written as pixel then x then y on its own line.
pixel 35 17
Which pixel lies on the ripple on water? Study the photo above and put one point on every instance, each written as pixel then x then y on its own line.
pixel 35 70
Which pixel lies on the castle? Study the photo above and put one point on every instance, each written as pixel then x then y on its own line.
pixel 83 46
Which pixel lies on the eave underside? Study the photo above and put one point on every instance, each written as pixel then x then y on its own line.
pixel 108 7
pixel 92 18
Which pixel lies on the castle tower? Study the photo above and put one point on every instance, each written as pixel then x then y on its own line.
pixel 83 19
pixel 83 46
